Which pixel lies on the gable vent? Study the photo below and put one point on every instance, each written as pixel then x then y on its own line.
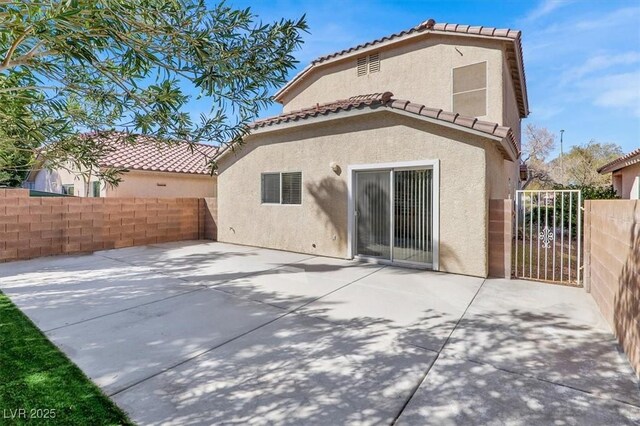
pixel 362 66
pixel 374 62
pixel 368 64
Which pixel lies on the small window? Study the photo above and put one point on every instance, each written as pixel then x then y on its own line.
pixel 368 64
pixel 282 188
pixel 470 90
pixel 67 189
pixel 96 188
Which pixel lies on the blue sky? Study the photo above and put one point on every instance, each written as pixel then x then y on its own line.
pixel 582 58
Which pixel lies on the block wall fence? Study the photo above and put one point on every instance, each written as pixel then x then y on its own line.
pixel 42 226
pixel 612 268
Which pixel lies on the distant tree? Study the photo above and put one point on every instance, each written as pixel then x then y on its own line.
pixel 582 162
pixel 538 144
pixel 96 65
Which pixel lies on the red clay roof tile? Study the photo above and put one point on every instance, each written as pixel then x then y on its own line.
pixel 386 100
pixel 626 160
pixel 148 153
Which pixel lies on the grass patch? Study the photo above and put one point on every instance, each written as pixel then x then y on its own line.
pixel 36 377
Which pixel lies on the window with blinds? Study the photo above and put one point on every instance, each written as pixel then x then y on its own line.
pixel 292 188
pixel 271 188
pixel 282 188
pixel 368 64
pixel 470 90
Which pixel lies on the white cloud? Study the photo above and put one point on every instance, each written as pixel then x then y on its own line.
pixel 600 62
pixel 616 91
pixel 545 8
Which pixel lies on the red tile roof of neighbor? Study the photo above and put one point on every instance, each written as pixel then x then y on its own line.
pixel 626 160
pixel 386 100
pixel 148 153
pixel 514 52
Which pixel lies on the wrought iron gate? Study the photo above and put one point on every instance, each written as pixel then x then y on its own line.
pixel 548 236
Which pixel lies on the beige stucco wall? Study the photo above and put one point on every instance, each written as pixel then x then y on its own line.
pixel 379 137
pixel 628 180
pixel 419 71
pixel 500 184
pixel 148 184
pixel 134 183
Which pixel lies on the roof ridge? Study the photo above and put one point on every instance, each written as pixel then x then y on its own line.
pixel 429 25
pixel 141 135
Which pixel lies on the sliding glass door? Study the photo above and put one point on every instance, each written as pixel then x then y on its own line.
pixel 373 213
pixel 394 215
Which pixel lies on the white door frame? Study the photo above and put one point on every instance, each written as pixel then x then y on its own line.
pixel 434 165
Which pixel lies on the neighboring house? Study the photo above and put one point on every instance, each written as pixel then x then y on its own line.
pixel 625 175
pixel 389 151
pixel 153 170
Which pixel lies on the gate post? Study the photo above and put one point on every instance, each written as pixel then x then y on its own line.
pixel 500 238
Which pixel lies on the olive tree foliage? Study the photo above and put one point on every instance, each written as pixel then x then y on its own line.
pixel 538 144
pixel 75 66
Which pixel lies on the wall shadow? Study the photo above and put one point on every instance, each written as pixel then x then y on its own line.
pixel 626 305
pixel 330 197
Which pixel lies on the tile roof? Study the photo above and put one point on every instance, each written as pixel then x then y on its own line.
pixel 514 53
pixel 148 153
pixel 386 100
pixel 626 160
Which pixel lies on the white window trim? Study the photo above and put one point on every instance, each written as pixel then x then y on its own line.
pixel 486 86
pixel 405 165
pixel 280 203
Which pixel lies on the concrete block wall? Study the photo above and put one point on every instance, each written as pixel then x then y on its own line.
pixel 612 268
pixel 209 220
pixel 500 237
pixel 42 226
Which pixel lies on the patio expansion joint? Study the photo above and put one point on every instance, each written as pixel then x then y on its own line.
pixel 439 352
pixel 443 351
pixel 206 351
pixel 598 395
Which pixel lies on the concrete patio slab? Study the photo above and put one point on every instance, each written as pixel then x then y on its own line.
pixel 55 294
pixel 296 370
pixel 294 285
pixel 204 332
pixel 459 392
pixel 118 350
pixel 212 264
pixel 419 307
pixel 551 332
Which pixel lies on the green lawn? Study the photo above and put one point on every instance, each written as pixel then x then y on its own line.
pixel 39 379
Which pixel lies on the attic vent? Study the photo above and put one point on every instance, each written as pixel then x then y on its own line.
pixel 368 64
pixel 362 66
pixel 374 62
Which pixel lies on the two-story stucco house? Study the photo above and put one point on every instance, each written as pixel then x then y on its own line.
pixel 390 151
